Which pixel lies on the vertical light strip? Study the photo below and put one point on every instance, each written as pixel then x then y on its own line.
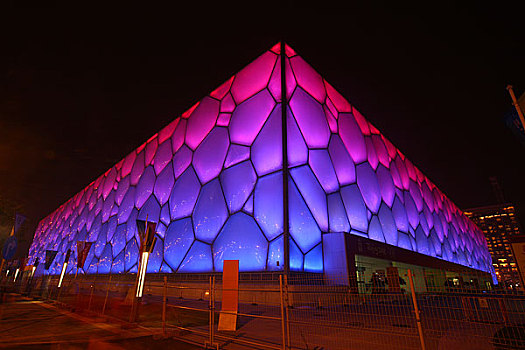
pixel 33 271
pixel 16 274
pixel 142 274
pixel 62 274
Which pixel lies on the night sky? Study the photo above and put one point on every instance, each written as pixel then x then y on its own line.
pixel 81 87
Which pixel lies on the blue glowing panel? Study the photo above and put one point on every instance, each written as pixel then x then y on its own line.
pixel 145 187
pixel 128 203
pixel 238 183
pixel 198 259
pixel 249 117
pixel 111 227
pixel 400 215
pixel 161 229
pixel 267 148
pixel 248 207
pixel 343 164
pixel 337 214
pixel 313 260
pixel 181 161
pixel 131 226
pixel 311 119
pixel 165 269
pixel 131 255
pixel 150 210
pixel 323 169
pixel 209 156
pixel 412 214
pixel 236 154
pixel 155 258
pixel 355 208
pixel 352 137
pixel 296 257
pixel 138 169
pixel 164 184
pixel 386 184
pixel 163 157
pixel 276 254
pixel 313 194
pixel 297 150
pixel 184 194
pixel 388 225
pixel 241 239
pixel 375 230
pixel 210 212
pixel 367 182
pixel 268 204
pixel 422 242
pixel 104 265
pixel 165 214
pixel 403 241
pixel 178 239
pixel 118 264
pixel 201 121
pixel 303 227
pixel 99 245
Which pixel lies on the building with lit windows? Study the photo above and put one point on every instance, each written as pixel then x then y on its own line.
pixel 276 169
pixel 500 225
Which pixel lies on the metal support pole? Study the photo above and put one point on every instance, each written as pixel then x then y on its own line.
pixel 286 314
pixel 286 234
pixel 282 311
pixel 416 311
pixel 107 294
pixel 516 105
pixel 164 301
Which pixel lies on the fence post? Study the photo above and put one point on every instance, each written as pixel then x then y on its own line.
pixel 282 310
pixel 107 293
pixel 287 316
pixel 164 301
pixel 503 309
pixel 416 310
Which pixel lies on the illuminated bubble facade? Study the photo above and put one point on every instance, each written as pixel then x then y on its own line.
pixel 213 181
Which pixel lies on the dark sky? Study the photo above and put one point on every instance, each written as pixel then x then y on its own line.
pixel 80 87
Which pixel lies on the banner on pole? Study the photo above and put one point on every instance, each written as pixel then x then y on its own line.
pixel 230 296
pixel 147 234
pixel 50 256
pixel 82 252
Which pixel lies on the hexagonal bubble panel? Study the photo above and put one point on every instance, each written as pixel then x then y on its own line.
pixel 267 152
pixel 400 215
pixel 236 154
pixel 276 254
pixel 109 182
pixel 184 194
pixel 198 259
pixel 343 164
pixel 178 239
pixel 268 204
pixel 128 164
pixel 155 258
pixel 127 205
pixel 145 187
pixel 367 182
pixel 164 184
pixel 181 160
pixel 308 78
pixel 104 264
pixel 375 230
pixel 238 183
pixel 341 104
pixel 210 212
pixel 122 188
pixel 303 227
pixel 352 137
pixel 297 149
pixel 117 265
pixel 201 121
pixel 296 257
pixel 313 260
pixel 275 81
pixel 223 89
pixel 388 225
pixel 323 169
pixel 118 241
pixel 178 135
pixel 131 254
pixel 209 156
pixel 253 77
pixel 311 119
pixel 138 169
pixel 249 117
pixel 241 239
pixel 151 149
pixel 338 222
pixel 313 194
pixel 150 211
pixel 248 207
pixel 163 156
pixel 355 208
pixel 386 184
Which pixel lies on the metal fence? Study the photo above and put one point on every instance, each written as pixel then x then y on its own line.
pixel 300 311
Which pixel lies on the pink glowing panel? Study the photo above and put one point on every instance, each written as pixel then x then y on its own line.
pixel 267 148
pixel 427 196
pixel 381 151
pixel 201 121
pixel 254 77
pixel 310 118
pixel 128 164
pixel 323 169
pixel 163 156
pixel 367 182
pixel 392 151
pixel 222 90
pixel 249 117
pixel 332 122
pixel 164 184
pixel 187 114
pixel 138 169
pixel 343 163
pixel 178 135
pixel 411 170
pixel 361 121
pixel 308 78
pixel 339 101
pixel 145 187
pixel 151 148
pixel 371 152
pixel 109 182
pixel 373 129
pixel 352 137
pixel 236 154
pixel 209 156
pixel 297 150
pixel 123 187
pixel 181 161
pixel 227 104
pixel 224 119
pixel 275 81
pixel 166 133
pixel 386 184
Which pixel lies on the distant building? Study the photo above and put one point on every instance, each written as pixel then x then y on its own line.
pixel 500 225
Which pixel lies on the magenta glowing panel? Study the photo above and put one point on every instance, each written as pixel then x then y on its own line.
pixel 213 180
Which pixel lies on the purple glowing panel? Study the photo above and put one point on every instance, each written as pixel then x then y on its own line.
pixel 155 258
pixel 164 184
pixel 210 212
pixel 416 195
pixel 201 121
pixel 198 259
pixel 150 210
pixel 236 154
pixel 109 183
pixel 275 81
pixel 122 189
pixel 313 194
pixel 311 119
pixel 303 227
pixel 367 182
pixel 209 156
pixel 323 169
pixel 308 78
pixel 151 149
pixel 128 164
pixel 337 215
pixel 388 225
pixel 296 257
pixel 355 207
pixel 250 247
pixel 131 255
pixel 254 77
pixel 275 254
pixel 104 265
pixel 118 263
pixel 267 148
pixel 268 205
pixel 375 231
pixel 343 164
pixel 386 184
pixel 352 137
pixel 400 215
pixel 177 241
pixel 138 169
pixel 238 183
pixel 313 260
pixel 163 156
pixel 181 161
pixel 145 187
pixel 178 135
pixel 249 117
pixel 184 194
pixel 248 207
pixel 371 153
pixel 224 119
pixel 412 213
pixel 297 150
pixel 381 151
